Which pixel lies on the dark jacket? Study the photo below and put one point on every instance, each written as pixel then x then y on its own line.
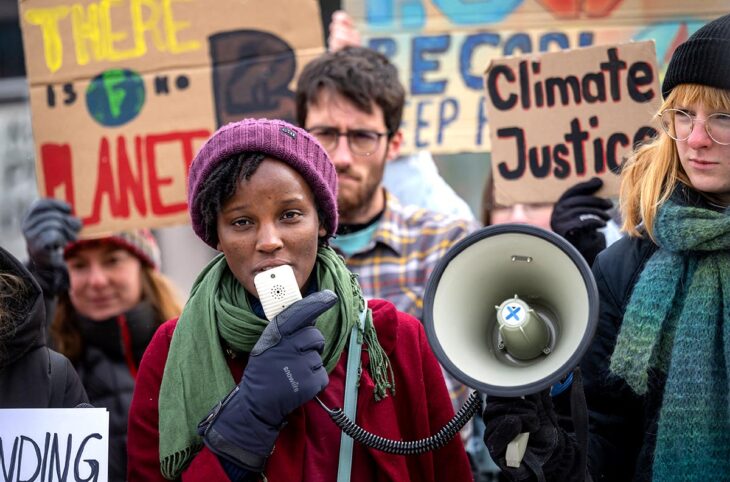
pixel 108 367
pixel 32 375
pixel 623 425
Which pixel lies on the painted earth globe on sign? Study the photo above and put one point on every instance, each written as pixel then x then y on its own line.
pixel 115 97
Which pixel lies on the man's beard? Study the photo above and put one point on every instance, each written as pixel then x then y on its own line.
pixel 354 200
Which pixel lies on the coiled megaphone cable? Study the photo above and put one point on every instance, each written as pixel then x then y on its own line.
pixel 403 447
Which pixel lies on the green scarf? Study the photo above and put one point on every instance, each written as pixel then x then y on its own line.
pixel 677 322
pixel 196 375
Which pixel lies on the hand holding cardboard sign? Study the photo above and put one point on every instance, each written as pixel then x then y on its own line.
pixel 342 32
pixel 48 227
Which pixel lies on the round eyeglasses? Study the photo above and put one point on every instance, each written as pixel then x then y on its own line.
pixel 362 142
pixel 678 125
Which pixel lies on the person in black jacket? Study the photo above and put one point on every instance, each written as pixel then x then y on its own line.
pixel 31 374
pixel 657 373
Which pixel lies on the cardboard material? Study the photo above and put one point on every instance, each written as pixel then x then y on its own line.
pixel 442 46
pixel 560 118
pixel 124 92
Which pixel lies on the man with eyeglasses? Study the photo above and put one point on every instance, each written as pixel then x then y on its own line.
pixel 352 101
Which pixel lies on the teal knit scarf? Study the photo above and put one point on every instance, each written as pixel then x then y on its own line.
pixel 196 375
pixel 678 322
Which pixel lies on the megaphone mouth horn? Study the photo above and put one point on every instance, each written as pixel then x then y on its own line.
pixel 510 309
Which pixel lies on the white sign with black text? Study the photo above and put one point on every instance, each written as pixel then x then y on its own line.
pixel 54 444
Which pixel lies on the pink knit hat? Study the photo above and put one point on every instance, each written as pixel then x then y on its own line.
pixel 139 242
pixel 279 140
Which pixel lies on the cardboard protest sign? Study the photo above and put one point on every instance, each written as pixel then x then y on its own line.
pixel 124 92
pixel 441 47
pixel 560 118
pixel 51 444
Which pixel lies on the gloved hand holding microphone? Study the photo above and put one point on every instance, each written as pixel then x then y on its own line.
pixel 284 371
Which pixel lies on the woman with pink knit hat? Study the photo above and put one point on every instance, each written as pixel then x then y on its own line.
pixel 225 394
pixel 106 298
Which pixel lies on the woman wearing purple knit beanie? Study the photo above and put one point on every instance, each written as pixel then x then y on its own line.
pixel 227 391
pixel 656 375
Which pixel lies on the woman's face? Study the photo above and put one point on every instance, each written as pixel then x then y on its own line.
pixel 105 281
pixel 706 162
pixel 270 220
pixel 533 214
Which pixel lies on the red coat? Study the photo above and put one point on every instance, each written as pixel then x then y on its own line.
pixel 307 447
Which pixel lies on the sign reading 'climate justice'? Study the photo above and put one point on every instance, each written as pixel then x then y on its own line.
pixel 563 117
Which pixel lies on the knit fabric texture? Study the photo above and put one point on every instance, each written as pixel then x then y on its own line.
pixel 703 59
pixel 139 242
pixel 677 322
pixel 279 140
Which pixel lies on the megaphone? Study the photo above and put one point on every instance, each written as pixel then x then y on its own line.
pixel 511 309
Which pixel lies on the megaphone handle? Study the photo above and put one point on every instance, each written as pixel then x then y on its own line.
pixel 516 450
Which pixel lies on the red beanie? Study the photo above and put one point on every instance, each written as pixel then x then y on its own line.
pixel 139 242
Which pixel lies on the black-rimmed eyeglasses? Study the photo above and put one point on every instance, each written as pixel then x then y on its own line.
pixel 362 142
pixel 679 124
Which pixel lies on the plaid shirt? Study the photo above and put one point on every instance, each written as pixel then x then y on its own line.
pixel 398 261
pixel 407 245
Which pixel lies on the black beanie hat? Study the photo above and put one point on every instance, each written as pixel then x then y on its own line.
pixel 703 59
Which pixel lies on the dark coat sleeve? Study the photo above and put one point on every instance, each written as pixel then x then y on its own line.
pixel 52 284
pixel 41 378
pixel 616 413
pixel 64 375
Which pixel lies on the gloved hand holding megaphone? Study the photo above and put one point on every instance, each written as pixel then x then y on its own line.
pixel 509 311
pixel 551 454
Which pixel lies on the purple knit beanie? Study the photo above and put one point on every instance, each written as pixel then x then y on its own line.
pixel 279 140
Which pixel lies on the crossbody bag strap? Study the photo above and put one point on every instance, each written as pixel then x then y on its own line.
pixel 344 468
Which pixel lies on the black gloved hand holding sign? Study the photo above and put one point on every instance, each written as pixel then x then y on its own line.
pixel 579 214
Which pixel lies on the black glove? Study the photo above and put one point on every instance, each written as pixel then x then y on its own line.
pixel 578 215
pixel 48 227
pixel 551 454
pixel 284 371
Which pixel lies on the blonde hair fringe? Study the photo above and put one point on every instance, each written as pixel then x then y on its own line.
pixel 649 176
